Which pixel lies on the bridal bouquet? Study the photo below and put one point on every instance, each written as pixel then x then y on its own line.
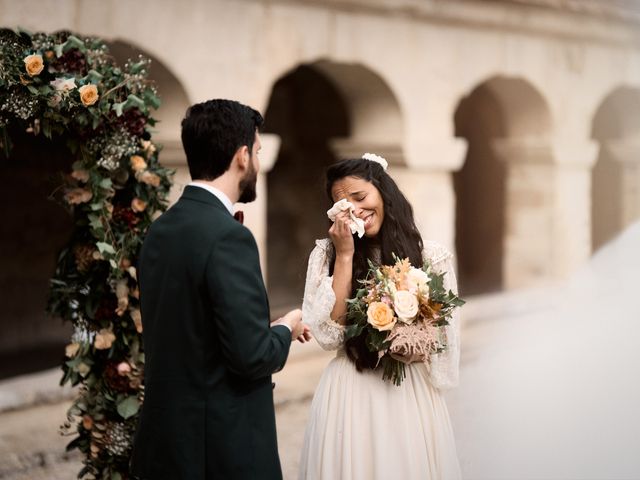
pixel 401 312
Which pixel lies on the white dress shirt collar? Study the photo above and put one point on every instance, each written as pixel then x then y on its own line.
pixel 214 191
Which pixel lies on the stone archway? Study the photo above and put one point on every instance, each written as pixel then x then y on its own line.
pixel 322 111
pixel 502 204
pixel 615 180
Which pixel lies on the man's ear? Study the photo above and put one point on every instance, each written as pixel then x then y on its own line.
pixel 242 157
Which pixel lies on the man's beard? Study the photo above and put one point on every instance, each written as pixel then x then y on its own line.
pixel 247 185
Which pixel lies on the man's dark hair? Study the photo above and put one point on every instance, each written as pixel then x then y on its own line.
pixel 213 131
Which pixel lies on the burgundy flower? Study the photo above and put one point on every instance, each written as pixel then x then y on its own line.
pixel 125 215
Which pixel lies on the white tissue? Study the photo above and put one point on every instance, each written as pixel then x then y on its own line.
pixel 356 225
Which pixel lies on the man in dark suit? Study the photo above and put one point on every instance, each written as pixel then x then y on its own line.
pixel 210 350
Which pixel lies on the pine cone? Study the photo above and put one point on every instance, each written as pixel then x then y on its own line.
pixel 84 257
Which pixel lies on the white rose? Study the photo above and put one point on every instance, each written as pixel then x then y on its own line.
pixel 418 281
pixel 63 84
pixel 405 305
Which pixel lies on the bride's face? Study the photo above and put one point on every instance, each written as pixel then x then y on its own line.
pixel 366 200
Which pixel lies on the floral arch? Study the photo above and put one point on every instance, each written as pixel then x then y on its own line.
pixel 66 87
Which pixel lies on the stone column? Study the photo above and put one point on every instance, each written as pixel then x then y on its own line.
pixel 627 153
pixel 255 213
pixel 547 209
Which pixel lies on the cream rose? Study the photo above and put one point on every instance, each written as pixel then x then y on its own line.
pixel 33 64
pixel 137 163
pixel 88 94
pixel 63 84
pixel 405 305
pixel 380 316
pixel 418 281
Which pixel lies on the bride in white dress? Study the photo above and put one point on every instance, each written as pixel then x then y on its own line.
pixel 361 427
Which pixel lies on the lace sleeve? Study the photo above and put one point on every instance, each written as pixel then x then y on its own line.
pixel 319 299
pixel 443 372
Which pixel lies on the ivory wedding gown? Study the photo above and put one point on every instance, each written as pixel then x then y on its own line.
pixel 363 428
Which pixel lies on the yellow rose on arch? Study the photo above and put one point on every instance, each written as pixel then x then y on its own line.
pixel 88 94
pixel 33 64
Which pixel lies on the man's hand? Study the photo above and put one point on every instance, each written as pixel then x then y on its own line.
pixel 293 320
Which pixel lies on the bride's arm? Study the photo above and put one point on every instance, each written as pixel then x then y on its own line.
pixel 444 367
pixel 320 299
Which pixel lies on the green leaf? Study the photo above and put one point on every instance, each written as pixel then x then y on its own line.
pixel 376 340
pixel 128 407
pixel 71 43
pixel 94 221
pixel 353 330
pixel 152 99
pixel 33 89
pixel 135 101
pixel 93 76
pixel 105 248
pixel 118 108
pixel 105 183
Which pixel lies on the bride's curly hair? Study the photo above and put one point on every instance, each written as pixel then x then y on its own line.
pixel 398 235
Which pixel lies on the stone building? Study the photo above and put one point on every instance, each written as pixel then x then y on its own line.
pixel 513 126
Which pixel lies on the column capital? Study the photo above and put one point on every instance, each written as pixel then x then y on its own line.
pixel 623 150
pixel 355 148
pixel 269 153
pixel 546 151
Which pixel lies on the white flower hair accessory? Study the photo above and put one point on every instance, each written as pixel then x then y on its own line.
pixel 372 157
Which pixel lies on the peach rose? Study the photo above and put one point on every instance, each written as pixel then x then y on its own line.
pixel 88 94
pixel 137 163
pixel 72 349
pixel 104 339
pixel 80 175
pixel 380 316
pixel 149 178
pixel 78 195
pixel 33 64
pixel 138 205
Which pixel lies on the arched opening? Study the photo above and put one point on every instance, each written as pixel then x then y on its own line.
pixel 499 119
pixel 480 194
pixel 33 230
pixel 615 193
pixel 322 111
pixel 306 111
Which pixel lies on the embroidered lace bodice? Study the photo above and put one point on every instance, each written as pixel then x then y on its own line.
pixel 319 299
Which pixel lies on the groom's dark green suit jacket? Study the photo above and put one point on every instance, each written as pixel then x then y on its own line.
pixel 209 350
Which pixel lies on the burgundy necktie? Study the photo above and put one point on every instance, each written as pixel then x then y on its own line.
pixel 239 216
